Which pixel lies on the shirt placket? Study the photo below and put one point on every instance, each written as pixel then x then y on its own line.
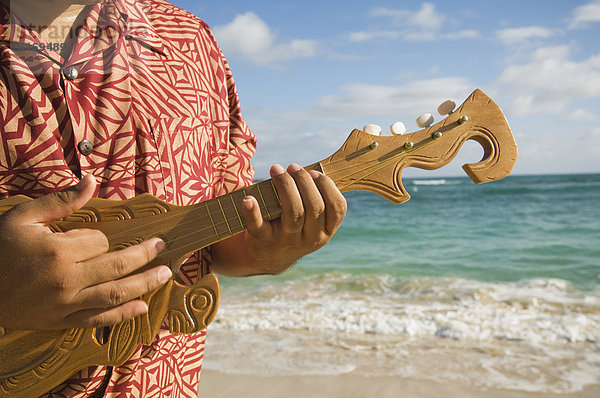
pixel 80 79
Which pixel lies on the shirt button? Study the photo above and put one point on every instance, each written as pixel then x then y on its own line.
pixel 71 73
pixel 85 147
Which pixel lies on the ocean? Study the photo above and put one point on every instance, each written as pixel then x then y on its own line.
pixel 494 285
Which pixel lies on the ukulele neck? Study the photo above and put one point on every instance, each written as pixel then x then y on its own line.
pixel 224 213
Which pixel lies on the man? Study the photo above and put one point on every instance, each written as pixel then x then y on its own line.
pixel 115 98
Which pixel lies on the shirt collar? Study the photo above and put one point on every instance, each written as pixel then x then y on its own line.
pixel 123 16
pixel 139 26
pixel 13 29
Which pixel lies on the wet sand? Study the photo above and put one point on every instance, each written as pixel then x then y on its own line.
pixel 218 385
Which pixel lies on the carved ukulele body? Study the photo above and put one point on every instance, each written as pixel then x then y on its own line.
pixel 34 362
pixel 38 359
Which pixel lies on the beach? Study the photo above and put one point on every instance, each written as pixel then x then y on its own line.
pixel 220 385
pixel 465 291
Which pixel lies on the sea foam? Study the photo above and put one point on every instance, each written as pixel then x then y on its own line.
pixel 539 335
pixel 539 311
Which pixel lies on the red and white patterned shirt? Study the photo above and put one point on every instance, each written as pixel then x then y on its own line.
pixel 145 103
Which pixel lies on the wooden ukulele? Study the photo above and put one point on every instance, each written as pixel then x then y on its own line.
pixel 34 362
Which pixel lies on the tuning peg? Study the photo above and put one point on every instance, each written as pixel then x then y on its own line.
pixel 425 120
pixel 446 107
pixel 372 129
pixel 398 128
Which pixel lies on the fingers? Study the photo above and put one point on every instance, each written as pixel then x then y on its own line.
pixel 57 205
pixel 255 224
pixel 292 218
pixel 335 203
pixel 82 244
pixel 98 317
pixel 112 290
pixel 118 264
pixel 310 201
pixel 117 292
pixel 314 206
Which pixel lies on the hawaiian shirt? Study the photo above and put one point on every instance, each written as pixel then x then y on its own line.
pixel 146 103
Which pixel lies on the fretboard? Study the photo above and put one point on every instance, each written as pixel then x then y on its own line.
pixel 224 213
pixel 221 217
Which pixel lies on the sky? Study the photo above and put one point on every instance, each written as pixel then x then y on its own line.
pixel 309 72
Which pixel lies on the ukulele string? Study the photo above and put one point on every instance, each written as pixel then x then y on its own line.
pixel 129 231
pixel 222 202
pixel 383 164
pixel 226 220
pixel 406 151
pixel 203 219
pixel 125 233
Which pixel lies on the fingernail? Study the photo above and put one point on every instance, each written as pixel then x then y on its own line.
pixel 141 309
pixel 292 168
pixel 164 274
pixel 314 174
pixel 276 169
pixel 160 245
pixel 248 202
pixel 83 182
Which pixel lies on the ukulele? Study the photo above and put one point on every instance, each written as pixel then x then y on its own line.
pixel 34 362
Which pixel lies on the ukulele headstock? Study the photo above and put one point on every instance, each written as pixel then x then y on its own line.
pixel 375 163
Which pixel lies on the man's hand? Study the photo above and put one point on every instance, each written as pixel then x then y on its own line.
pixel 313 209
pixel 62 280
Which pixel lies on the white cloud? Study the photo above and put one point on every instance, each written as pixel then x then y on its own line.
pixel 461 34
pixel 427 18
pixel 366 36
pixel 585 14
pixel 517 35
pixel 551 81
pixel 593 137
pixel 424 24
pixel 364 100
pixel 311 134
pixel 582 115
pixel 250 38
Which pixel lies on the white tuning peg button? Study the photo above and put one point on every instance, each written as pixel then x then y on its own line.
pixel 425 120
pixel 398 128
pixel 446 107
pixel 372 129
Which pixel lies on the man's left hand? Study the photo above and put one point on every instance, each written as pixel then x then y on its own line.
pixel 313 209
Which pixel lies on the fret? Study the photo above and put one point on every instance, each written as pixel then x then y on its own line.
pixel 271 199
pixel 263 201
pixel 252 190
pixel 237 219
pixel 237 202
pixel 218 218
pixel 276 194
pixel 211 219
pixel 224 215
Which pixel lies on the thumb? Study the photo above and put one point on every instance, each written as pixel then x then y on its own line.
pixel 59 204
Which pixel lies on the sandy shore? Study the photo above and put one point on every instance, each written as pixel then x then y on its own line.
pixel 218 385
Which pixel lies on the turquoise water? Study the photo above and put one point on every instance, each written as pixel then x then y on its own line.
pixel 514 229
pixel 518 228
pixel 495 285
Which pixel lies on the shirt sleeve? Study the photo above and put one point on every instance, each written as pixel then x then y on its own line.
pixel 242 143
pixel 238 171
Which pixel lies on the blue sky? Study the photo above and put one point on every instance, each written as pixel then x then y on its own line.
pixel 309 72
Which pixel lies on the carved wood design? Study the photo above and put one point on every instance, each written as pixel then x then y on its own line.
pixel 36 361
pixel 40 360
pixel 360 165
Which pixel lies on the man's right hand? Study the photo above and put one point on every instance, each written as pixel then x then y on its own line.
pixel 62 280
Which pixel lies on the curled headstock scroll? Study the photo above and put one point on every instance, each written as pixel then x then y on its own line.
pixel 375 164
